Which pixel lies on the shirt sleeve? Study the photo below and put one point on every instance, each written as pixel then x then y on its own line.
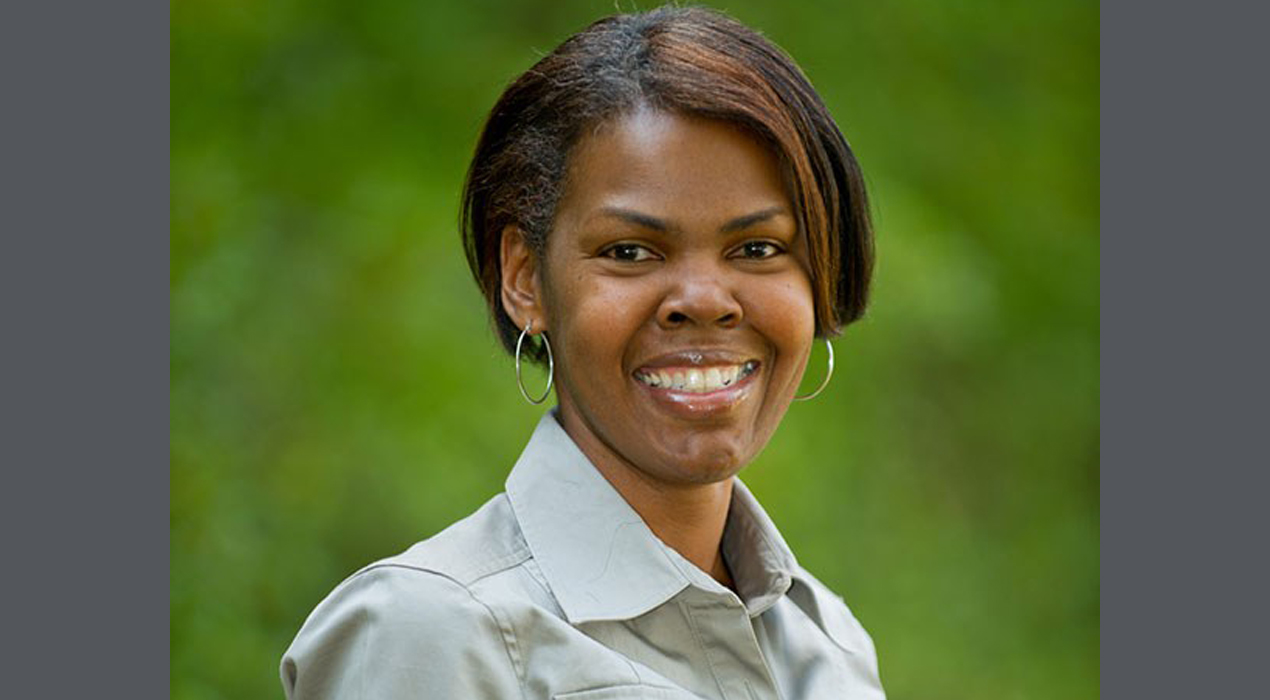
pixel 395 632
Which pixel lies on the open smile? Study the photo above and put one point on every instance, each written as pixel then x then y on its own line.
pixel 696 392
pixel 696 380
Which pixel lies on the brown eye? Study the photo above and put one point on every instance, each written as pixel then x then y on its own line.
pixel 758 250
pixel 629 252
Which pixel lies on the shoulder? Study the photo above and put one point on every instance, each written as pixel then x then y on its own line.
pixel 394 603
pixel 484 543
pixel 412 621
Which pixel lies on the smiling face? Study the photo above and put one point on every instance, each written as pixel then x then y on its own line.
pixel 675 293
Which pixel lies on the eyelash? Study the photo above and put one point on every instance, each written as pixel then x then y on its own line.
pixel 739 252
pixel 611 252
pixel 745 247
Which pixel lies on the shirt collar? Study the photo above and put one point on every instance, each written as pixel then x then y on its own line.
pixel 602 561
pixel 762 565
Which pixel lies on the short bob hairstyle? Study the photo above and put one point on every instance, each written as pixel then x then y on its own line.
pixel 691 61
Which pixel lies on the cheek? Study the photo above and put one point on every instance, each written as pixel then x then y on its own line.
pixel 594 323
pixel 787 314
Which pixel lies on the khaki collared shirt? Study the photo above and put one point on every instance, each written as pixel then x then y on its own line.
pixel 557 589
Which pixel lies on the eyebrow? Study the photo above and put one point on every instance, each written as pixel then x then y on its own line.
pixel 660 225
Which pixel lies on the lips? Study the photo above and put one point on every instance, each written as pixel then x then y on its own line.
pixel 698 384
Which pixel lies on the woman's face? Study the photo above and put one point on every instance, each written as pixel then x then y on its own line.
pixel 676 297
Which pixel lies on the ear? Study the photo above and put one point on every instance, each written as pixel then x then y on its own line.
pixel 522 289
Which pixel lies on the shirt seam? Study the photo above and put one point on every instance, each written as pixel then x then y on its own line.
pixel 506 633
pixel 510 643
pixel 496 566
pixel 764 644
pixel 364 647
pixel 705 649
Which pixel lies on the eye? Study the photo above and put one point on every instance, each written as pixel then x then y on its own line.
pixel 758 250
pixel 629 252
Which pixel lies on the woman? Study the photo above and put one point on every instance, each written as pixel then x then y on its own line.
pixel 663 212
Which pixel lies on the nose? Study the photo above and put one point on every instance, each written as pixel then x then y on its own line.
pixel 701 295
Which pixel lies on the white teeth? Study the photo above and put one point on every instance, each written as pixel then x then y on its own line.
pixel 697 381
pixel 714 378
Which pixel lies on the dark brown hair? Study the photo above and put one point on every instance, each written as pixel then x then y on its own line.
pixel 691 61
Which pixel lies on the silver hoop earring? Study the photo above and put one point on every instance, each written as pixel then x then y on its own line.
pixel 551 366
pixel 824 383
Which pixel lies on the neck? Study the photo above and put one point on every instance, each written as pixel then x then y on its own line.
pixel 688 518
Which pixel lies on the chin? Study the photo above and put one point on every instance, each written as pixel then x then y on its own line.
pixel 708 468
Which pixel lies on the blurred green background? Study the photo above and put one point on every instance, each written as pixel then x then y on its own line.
pixel 337 394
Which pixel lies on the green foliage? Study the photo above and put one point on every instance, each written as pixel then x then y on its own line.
pixel 337 393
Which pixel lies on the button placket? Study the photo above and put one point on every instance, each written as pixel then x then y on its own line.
pixel 726 635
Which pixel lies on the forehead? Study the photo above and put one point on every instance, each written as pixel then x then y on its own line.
pixel 669 164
